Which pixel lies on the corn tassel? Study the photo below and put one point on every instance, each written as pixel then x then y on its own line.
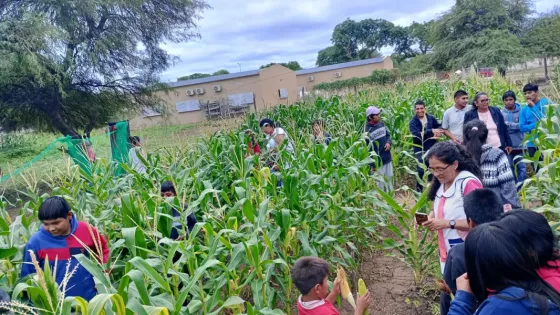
pixel 344 287
pixel 362 290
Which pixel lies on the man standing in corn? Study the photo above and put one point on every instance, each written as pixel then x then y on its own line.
pixel 379 140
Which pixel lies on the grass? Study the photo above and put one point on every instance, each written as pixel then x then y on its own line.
pixel 17 149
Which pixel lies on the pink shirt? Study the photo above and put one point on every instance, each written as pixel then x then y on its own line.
pixel 551 275
pixel 493 136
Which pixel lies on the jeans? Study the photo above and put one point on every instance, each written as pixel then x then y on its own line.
pixel 420 170
pixel 519 168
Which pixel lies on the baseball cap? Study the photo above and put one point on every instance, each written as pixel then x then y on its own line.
pixel 372 110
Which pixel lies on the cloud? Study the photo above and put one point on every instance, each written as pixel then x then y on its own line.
pixel 249 33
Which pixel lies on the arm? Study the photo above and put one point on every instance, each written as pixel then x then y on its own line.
pixel 191 221
pixel 504 130
pixel 335 292
pixel 524 124
pixel 508 189
pixel 463 304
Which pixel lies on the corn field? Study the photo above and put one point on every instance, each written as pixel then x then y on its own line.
pixel 237 259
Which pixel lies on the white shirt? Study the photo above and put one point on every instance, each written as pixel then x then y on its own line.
pixel 271 142
pixel 135 161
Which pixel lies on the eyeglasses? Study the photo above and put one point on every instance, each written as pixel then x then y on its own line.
pixel 484 101
pixel 438 170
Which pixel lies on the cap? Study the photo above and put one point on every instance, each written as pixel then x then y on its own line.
pixel 372 110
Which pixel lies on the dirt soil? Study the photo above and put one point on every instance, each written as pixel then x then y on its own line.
pixel 391 285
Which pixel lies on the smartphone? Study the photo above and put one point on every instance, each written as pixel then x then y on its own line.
pixel 421 217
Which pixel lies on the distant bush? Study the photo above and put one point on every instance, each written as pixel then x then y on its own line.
pixel 379 77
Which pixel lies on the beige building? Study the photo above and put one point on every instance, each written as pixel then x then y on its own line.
pixel 196 100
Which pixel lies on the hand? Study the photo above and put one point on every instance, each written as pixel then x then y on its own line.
pixel 507 207
pixel 436 224
pixel 456 141
pixel 463 284
pixel 530 103
pixel 437 133
pixel 363 303
pixel 336 287
pixel 275 167
pixel 508 150
pixel 387 146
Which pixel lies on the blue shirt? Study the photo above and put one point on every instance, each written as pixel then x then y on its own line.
pixel 530 116
pixel 510 301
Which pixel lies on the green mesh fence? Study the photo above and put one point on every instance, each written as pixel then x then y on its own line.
pixel 81 150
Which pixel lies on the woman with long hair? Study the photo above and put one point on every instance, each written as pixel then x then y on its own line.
pixel 498 133
pixel 501 276
pixel 455 176
pixel 493 163
pixel 535 233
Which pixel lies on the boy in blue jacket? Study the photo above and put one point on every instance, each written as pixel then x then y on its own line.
pixel 511 113
pixel 60 238
pixel 532 114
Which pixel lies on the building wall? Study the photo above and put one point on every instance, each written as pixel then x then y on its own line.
pixel 265 86
pixel 272 79
pixel 250 84
pixel 347 73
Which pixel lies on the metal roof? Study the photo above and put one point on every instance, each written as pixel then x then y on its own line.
pixel 214 78
pixel 341 66
pixel 230 76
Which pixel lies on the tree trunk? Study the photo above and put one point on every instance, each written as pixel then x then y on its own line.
pixel 545 68
pixel 59 123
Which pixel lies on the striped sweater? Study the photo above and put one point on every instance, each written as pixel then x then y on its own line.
pixel 497 175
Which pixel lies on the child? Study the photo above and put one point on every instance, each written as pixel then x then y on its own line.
pixel 133 154
pixel 320 136
pixel 253 147
pixel 310 275
pixel 379 140
pixel 168 191
pixel 61 236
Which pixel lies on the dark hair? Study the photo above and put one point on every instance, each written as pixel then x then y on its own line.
pixel 307 272
pixel 448 152
pixel 460 93
pixel 475 134
pixel 54 208
pixel 483 206
pixel 267 121
pixel 420 102
pixel 534 231
pixel 530 87
pixel 168 186
pixel 134 140
pixel 319 122
pixel 477 96
pixel 496 259
pixel 509 93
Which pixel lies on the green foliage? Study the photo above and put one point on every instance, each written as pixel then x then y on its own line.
pixel 415 66
pixel 250 231
pixel 332 55
pixel 220 72
pixel 71 65
pixel 542 39
pixel 293 65
pixel 379 77
pixel 478 31
pixel 194 76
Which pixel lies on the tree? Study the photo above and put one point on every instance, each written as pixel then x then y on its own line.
pixel 73 65
pixel 349 35
pixel 469 34
pixel 293 65
pixel 194 76
pixel 332 55
pixel 220 72
pixel 543 38
pixel 422 35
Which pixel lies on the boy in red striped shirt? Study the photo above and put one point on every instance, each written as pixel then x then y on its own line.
pixel 311 275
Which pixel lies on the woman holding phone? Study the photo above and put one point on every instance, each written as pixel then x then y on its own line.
pixel 455 175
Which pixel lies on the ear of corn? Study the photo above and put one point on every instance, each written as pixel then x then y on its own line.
pixel 345 287
pixel 362 290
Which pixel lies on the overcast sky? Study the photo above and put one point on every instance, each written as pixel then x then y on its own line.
pixel 248 33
